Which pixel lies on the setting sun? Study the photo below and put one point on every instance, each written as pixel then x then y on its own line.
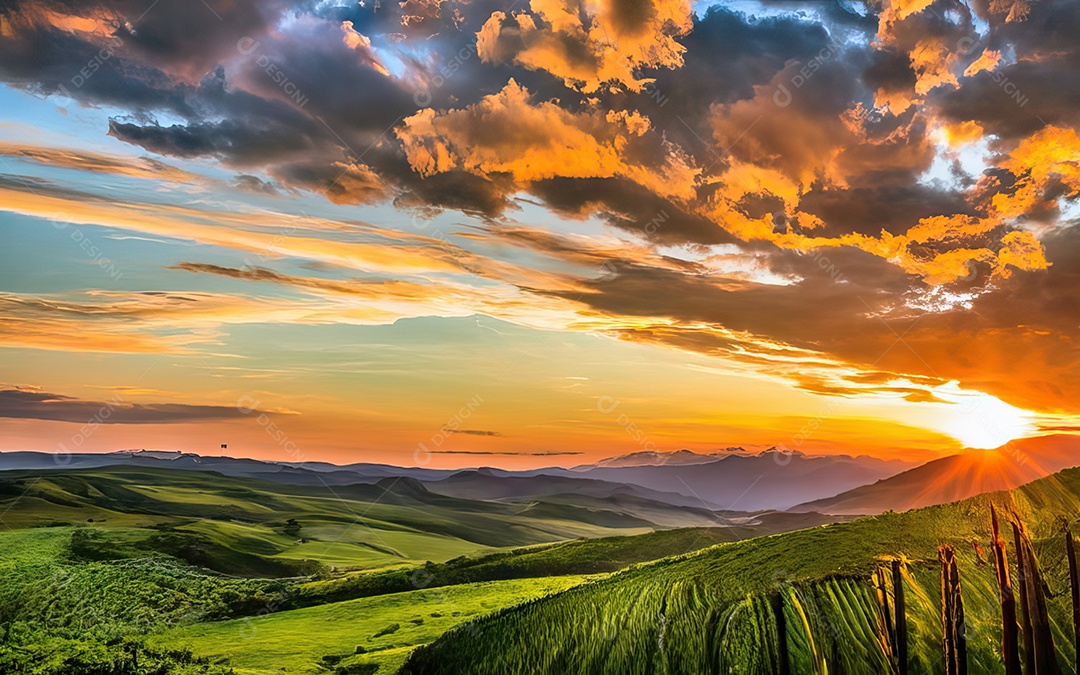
pixel 982 421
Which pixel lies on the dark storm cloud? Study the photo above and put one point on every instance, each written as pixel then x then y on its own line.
pixel 182 39
pixel 868 209
pixel 486 196
pixel 38 405
pixel 47 61
pixel 304 106
pixel 858 308
pixel 1041 87
pixel 889 70
pixel 733 53
pixel 624 205
pixel 803 314
pixel 222 69
pixel 253 132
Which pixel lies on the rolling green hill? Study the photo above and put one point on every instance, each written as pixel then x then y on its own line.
pixel 581 556
pixel 55 602
pixel 242 526
pixel 716 610
pixel 255 528
pixel 331 625
pixel 98 559
pixel 368 635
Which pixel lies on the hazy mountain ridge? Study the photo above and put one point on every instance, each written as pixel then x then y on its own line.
pixel 751 482
pixel 655 458
pixel 735 480
pixel 676 487
pixel 956 477
pixel 484 484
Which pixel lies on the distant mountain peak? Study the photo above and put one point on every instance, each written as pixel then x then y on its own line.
pixel 786 452
pixel 657 458
pixel 403 485
pixel 155 454
pixel 686 457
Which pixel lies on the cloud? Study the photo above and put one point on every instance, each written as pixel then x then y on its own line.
pixel 137 167
pixel 508 134
pixel 262 239
pixel 472 432
pixel 790 192
pixel 341 183
pixel 249 183
pixel 589 45
pixel 39 405
pixel 624 205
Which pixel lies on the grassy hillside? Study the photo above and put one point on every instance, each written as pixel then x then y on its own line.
pixel 242 526
pixel 369 635
pixel 64 615
pixel 44 582
pixel 57 602
pixel 715 611
pixel 423 602
pixel 253 528
pixel 582 556
pixel 100 558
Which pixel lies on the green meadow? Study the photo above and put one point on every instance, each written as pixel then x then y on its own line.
pixel 374 634
pixel 141 572
pixel 128 570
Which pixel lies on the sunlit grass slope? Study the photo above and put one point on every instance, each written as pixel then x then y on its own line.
pixel 358 636
pixel 715 611
pixel 241 526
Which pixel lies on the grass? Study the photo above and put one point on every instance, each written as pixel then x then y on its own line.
pixel 308 640
pixel 85 591
pixel 710 611
pixel 43 584
pixel 238 525
pixel 582 556
pixel 106 555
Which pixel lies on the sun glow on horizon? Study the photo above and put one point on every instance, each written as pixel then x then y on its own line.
pixel 983 421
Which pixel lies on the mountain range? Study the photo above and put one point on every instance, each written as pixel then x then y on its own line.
pixel 677 489
pixel 750 482
pixel 956 477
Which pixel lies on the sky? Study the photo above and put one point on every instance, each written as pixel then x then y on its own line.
pixel 526 233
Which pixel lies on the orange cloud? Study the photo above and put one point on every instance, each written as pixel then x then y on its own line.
pixel 933 60
pixel 1022 251
pixel 588 44
pixel 507 134
pixel 782 153
pixel 1010 10
pixel 1050 154
pixel 893 11
pixel 962 133
pixel 99 26
pixel 266 235
pixel 988 60
pixel 356 184
pixel 136 167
